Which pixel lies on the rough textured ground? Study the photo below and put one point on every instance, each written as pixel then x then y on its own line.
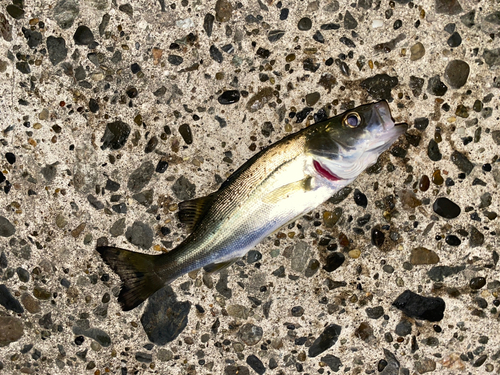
pixel 113 112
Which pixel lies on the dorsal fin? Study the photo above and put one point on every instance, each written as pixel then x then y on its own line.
pixel 191 212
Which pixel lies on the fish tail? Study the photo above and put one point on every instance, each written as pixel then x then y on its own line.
pixel 137 273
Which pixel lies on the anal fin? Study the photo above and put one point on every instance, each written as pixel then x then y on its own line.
pixel 215 267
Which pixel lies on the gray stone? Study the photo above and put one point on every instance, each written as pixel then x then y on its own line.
pixel 65 13
pixel 183 189
pixel 115 135
pixel 456 73
pixel 250 334
pixel 49 172
pixel 140 177
pixel 11 330
pixel 140 234
pixel 6 227
pixel 118 227
pixel 300 254
pixel 8 301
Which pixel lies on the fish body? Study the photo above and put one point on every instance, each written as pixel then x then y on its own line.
pixel 282 182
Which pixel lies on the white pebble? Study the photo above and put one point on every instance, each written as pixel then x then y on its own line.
pixel 377 23
pixel 185 24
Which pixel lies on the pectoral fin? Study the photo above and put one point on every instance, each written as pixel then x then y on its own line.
pixel 215 267
pixel 287 190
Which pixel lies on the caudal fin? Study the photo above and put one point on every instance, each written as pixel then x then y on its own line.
pixel 136 270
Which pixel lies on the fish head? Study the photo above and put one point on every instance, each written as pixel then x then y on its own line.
pixel 344 146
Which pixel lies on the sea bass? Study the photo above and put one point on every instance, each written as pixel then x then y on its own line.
pixel 280 183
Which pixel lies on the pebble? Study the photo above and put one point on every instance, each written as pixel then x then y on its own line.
pixel 333 261
pixel 476 237
pixel 332 361
pixel 492 57
pixel 446 208
pixel 223 10
pixel 380 86
pixel 433 151
pixel 237 311
pixel 94 202
pixel 183 189
pixel 11 330
pixel 185 132
pixel 448 7
pixel 421 255
pixel 275 35
pixel 65 13
pixel 378 237
pixel 454 40
pixel 360 198
pixel 94 333
pixel 425 365
pixel 477 283
pixel 403 328
pixel 56 47
pixel 326 340
pixel 417 51
pixel 14 11
pixel 139 178
pixel 437 179
pixel 462 162
pixel 304 24
pixel 258 101
pixel 495 135
pixel 256 364
pixel 456 73
pixel 216 54
pixel 175 60
pixel 115 135
pixel 250 334
pixel 118 227
pixel 222 286
pixel 162 166
pixel 438 273
pixel 6 227
pixel 350 22
pixel 493 17
pixel 165 327
pixel 140 234
pixel 145 197
pixel 8 301
pixel 208 24
pixel 452 240
pixel 420 307
pixel 229 97
pixel 253 256
pixel 364 332
pixel 312 98
pixel 421 123
pixel 83 36
pixel 436 87
pixel 374 312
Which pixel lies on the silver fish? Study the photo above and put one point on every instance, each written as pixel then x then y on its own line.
pixel 280 183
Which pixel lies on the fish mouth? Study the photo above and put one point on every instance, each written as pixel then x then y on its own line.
pixel 324 172
pixel 388 131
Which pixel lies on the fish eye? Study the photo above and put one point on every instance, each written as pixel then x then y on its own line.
pixel 352 120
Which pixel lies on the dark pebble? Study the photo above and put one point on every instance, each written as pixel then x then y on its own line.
pixel 375 312
pixel 253 256
pixel 135 68
pixel 132 92
pixel 144 357
pixel 23 67
pixel 318 37
pixel 454 40
pixel 229 97
pixel 446 208
pixel 348 42
pixel 477 283
pixel 416 85
pixel 421 123
pixel 453 240
pixel 468 18
pixel 15 11
pixel 151 145
pixel 208 24
pixel 140 177
pixel 250 334
pixel 326 340
pixel 115 135
pixel 312 268
pixel 297 311
pixel 310 65
pixel 256 364
pixel 333 261
pixel 120 208
pixel 450 28
pixel 448 7
pixel 433 151
pixel 462 162
pixel 476 237
pixel 304 24
pixel 378 237
pixel 216 54
pixel 185 131
pixel 94 202
pixel 284 14
pixel 8 301
pixel 456 73
pixel 140 234
pixel 164 328
pixel 93 105
pixel 349 21
pixel 380 86
pixel 112 185
pixel 478 181
pixel 280 272
pixel 175 59
pixel 267 128
pixel 275 35
pixel 479 362
pixel 83 36
pixel 162 166
pixel 330 26
pixel 34 38
pixel 360 198
pixel 332 361
pixel 11 158
pixel 436 87
pixel 403 328
pixel 419 307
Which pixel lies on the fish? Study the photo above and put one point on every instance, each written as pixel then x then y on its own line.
pixel 273 188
